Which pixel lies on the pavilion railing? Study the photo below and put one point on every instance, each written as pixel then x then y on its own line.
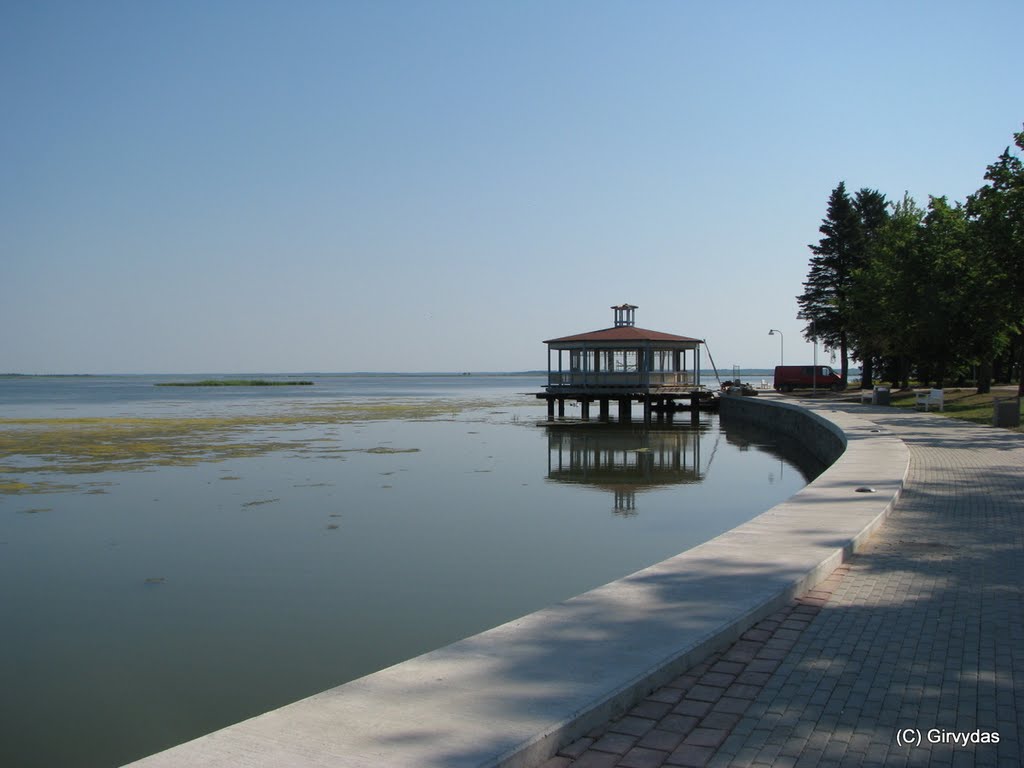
pixel 618 379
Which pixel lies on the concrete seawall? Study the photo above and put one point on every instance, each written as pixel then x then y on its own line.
pixel 824 439
pixel 511 696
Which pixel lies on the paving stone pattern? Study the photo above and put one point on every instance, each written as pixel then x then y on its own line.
pixel 914 644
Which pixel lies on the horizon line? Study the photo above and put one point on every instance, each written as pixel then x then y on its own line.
pixel 524 372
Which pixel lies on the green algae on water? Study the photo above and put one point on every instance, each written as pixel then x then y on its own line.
pixel 86 445
pixel 17 487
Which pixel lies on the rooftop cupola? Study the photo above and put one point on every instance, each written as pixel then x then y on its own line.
pixel 624 315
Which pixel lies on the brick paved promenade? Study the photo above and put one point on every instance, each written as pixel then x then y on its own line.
pixel 920 635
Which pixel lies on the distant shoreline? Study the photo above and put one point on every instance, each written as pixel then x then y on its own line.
pixel 727 373
pixel 46 375
pixel 233 383
pixel 246 374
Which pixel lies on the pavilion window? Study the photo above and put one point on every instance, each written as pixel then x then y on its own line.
pixel 625 360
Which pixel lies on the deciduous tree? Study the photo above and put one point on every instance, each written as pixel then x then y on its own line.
pixel 885 294
pixel 996 214
pixel 946 324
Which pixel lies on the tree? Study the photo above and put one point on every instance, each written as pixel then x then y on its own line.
pixel 996 213
pixel 848 229
pixel 947 284
pixel 824 300
pixel 943 290
pixel 872 214
pixel 885 292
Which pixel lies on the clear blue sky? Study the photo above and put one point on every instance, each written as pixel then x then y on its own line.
pixel 399 185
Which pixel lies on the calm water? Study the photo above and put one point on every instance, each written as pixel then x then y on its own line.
pixel 142 608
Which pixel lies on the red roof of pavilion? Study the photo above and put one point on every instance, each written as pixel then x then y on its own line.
pixel 622 333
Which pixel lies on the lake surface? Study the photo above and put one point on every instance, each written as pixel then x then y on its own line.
pixel 173 560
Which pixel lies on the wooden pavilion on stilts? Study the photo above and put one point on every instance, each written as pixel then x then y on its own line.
pixel 625 364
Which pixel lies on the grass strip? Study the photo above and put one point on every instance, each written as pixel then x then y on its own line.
pixel 964 404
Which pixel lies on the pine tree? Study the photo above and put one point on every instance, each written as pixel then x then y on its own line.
pixel 872 214
pixel 825 300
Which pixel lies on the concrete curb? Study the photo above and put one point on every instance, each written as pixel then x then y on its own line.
pixel 513 695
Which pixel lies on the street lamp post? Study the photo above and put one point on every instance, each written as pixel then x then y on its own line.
pixel 814 374
pixel 782 356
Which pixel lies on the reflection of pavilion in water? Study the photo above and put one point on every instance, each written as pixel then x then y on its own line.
pixel 625 460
